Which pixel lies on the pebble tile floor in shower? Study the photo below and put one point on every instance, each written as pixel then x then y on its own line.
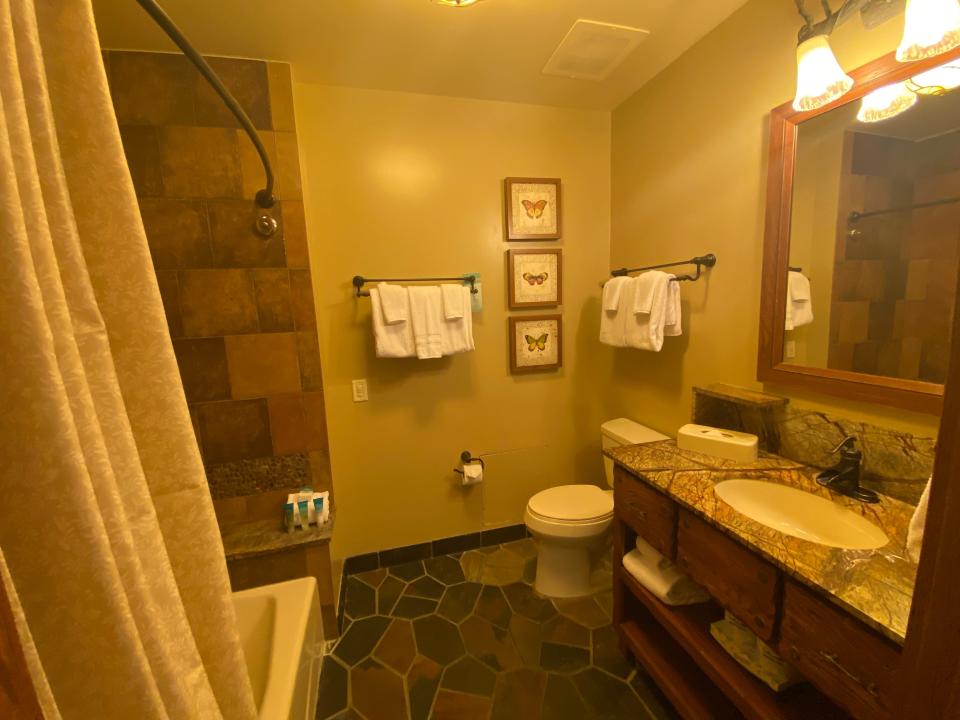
pixel 465 636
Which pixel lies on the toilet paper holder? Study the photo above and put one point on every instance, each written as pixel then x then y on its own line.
pixel 466 458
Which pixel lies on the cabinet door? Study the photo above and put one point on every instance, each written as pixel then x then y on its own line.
pixel 649 513
pixel 740 581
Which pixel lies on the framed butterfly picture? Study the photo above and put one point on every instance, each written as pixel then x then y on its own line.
pixel 536 343
pixel 534 278
pixel 532 208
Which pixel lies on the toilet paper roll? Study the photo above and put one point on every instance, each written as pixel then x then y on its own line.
pixel 472 473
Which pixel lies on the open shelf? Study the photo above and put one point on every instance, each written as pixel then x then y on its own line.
pixel 688 628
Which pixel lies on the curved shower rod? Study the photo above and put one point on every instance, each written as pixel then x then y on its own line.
pixel 264 198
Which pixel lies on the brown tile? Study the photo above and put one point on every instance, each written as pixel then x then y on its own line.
pixel 308 352
pixel 295 234
pixel 301 291
pixel 853 320
pixel 234 430
pixel 917 272
pixel 230 511
pixel 273 300
pixel 251 167
pixel 519 694
pixel 422 683
pixel 152 88
pixel 316 421
pixel 267 569
pixel 200 162
pixel 234 241
pixel 263 364
pixel 281 96
pixel 377 692
pixel 217 302
pixel 142 150
pixel 397 648
pixel 203 368
pixel 459 706
pixel 288 425
pixel 322 478
pixel 247 82
pixel 170 296
pixel 266 505
pixel 177 232
pixel 288 161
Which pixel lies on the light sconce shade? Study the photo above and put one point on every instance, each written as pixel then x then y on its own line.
pixel 456 3
pixel 937 81
pixel 930 27
pixel 883 103
pixel 820 79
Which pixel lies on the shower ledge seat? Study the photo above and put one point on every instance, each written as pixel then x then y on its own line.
pixel 243 540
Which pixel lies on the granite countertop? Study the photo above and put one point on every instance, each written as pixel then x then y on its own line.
pixel 874 585
pixel 266 536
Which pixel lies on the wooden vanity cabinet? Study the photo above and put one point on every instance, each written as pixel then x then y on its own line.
pixel 851 668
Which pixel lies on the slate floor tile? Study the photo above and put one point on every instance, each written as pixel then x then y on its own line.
pixel 387 594
pixel 458 601
pixel 413 607
pixel 492 606
pixel 377 693
pixel 438 639
pixel 445 569
pixel 360 600
pixel 469 675
pixel 397 647
pixel 425 587
pixel 360 639
pixel 583 610
pixel 605 696
pixel 407 571
pixel 519 694
pixel 460 706
pixel 491 645
pixel 563 658
pixel 524 601
pixel 561 629
pixel 333 688
pixel 561 701
pixel 606 653
pixel 422 683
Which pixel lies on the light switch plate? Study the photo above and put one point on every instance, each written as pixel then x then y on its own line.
pixel 360 390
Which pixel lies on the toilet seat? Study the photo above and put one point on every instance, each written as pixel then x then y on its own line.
pixel 569 511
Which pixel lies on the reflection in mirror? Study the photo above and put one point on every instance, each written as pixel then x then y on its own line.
pixel 875 241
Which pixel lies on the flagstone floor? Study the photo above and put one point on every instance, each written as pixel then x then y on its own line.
pixel 465 636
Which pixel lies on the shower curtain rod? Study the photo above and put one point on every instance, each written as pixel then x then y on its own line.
pixel 264 198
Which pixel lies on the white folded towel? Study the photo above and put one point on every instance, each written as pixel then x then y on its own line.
pixel 917 524
pixel 454 300
pixel 799 306
pixel 456 336
pixel 644 329
pixel 426 317
pixel 395 303
pixel 661 577
pixel 672 317
pixel 393 341
pixel 611 292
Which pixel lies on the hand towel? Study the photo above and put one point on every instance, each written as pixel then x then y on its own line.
pixel 426 318
pixel 456 336
pixel 671 322
pixel 799 310
pixel 395 303
pixel 393 341
pixel 917 523
pixel 454 301
pixel 662 578
pixel 613 323
pixel 644 327
pixel 611 292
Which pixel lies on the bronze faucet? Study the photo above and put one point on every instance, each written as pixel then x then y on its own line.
pixel 844 477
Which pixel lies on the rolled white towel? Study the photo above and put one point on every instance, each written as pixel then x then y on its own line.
pixel 661 577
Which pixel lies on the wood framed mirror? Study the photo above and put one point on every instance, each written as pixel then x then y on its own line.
pixel 869 215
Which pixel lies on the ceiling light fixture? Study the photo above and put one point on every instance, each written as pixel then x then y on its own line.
pixel 886 102
pixel 930 27
pixel 937 81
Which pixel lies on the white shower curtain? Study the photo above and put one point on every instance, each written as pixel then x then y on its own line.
pixel 108 542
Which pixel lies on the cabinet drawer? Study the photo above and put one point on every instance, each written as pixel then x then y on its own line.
pixel 845 659
pixel 737 579
pixel 651 514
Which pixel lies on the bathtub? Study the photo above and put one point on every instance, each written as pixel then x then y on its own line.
pixel 282 641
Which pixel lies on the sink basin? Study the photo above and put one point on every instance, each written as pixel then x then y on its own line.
pixel 801 514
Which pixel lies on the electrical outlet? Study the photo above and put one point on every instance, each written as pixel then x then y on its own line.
pixel 360 391
pixel 790 349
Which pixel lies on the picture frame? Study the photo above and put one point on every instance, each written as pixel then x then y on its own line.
pixel 535 278
pixel 536 343
pixel 533 208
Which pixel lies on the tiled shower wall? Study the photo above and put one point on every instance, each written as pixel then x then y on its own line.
pixel 239 306
pixel 894 283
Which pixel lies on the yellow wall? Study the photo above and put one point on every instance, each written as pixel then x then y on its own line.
pixel 398 184
pixel 689 155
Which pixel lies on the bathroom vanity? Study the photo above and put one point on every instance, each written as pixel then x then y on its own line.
pixel 838 615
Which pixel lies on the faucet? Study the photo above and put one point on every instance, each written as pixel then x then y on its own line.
pixel 844 477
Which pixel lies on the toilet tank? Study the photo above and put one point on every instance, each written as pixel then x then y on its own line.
pixel 624 431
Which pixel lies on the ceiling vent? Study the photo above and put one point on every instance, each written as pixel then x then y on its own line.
pixel 592 50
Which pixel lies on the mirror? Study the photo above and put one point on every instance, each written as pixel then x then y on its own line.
pixel 862 245
pixel 875 240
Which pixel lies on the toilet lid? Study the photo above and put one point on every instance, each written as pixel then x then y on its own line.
pixel 572 502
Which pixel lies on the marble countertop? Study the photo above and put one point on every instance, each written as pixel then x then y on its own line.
pixel 266 536
pixel 874 585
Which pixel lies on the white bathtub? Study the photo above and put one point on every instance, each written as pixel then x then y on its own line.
pixel 282 640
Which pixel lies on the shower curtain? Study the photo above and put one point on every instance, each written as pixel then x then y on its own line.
pixel 108 543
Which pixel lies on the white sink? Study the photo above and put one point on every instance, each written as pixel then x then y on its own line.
pixel 801 514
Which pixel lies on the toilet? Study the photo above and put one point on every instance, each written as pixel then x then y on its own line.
pixel 570 522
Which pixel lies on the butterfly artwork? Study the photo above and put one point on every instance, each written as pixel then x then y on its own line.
pixel 534 277
pixel 534 209
pixel 537 279
pixel 536 343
